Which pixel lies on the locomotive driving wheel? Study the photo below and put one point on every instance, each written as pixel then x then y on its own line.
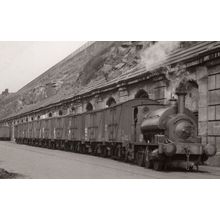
pixel 140 158
pixel 158 165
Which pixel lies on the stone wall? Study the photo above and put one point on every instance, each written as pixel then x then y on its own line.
pixel 202 80
pixel 214 105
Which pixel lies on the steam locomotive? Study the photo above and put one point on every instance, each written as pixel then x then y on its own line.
pixel 140 130
pixel 171 137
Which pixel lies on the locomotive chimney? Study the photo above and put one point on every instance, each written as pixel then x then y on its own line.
pixel 181 93
pixel 173 102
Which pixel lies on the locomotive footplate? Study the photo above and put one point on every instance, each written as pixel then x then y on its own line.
pixel 186 155
pixel 189 148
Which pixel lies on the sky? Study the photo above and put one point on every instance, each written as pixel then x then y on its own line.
pixel 23 61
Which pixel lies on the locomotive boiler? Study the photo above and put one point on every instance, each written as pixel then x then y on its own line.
pixel 171 137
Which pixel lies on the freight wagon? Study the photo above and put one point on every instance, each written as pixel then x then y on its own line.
pixel 114 131
pixel 5 134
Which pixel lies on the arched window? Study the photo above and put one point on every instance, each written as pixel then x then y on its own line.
pixel 89 107
pixel 50 114
pixel 60 112
pixel 73 110
pixel 110 102
pixel 141 94
pixel 38 117
pixel 32 118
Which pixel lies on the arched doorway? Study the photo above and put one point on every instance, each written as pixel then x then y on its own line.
pixel 192 97
pixel 141 94
pixel 110 102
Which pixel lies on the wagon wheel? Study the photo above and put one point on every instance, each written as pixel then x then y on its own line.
pixel 74 146
pixel 118 152
pixel 140 158
pixel 157 165
pixel 67 146
pixel 77 148
pixel 104 152
pixel 148 163
pixel 51 145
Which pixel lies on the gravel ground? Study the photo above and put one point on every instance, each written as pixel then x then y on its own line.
pixel 21 161
pixel 6 175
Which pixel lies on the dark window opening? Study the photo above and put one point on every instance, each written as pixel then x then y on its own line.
pixel 73 110
pixel 110 102
pixel 50 114
pixel 89 107
pixel 60 112
pixel 141 94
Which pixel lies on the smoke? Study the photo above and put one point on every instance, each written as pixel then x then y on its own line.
pixel 157 53
pixel 179 75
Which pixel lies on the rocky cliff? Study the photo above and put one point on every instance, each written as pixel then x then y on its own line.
pixel 94 61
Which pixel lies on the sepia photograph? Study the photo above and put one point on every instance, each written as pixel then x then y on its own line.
pixel 110 109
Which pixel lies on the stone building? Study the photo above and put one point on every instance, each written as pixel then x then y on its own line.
pixel 198 64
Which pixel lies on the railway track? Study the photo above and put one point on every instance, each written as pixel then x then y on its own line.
pixel 34 162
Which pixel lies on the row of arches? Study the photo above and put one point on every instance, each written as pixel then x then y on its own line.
pixel 141 93
pixel 192 98
pixel 111 101
pixel 89 107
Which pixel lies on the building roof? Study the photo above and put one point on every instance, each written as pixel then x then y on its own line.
pixel 194 53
